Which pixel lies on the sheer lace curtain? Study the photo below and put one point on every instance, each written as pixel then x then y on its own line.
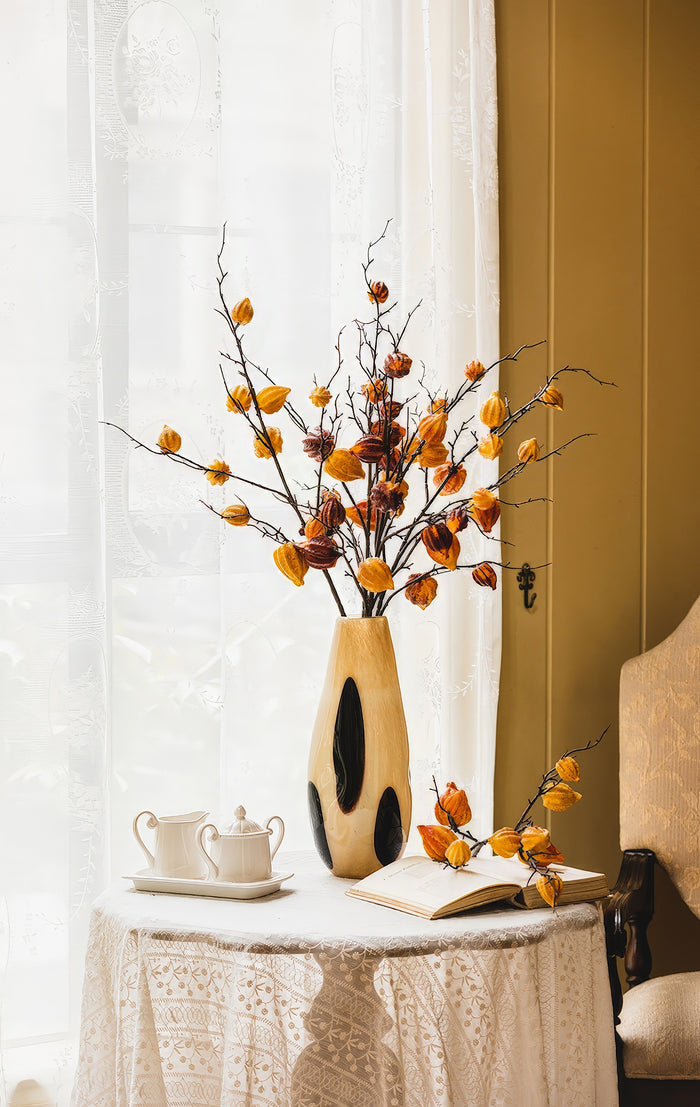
pixel 148 659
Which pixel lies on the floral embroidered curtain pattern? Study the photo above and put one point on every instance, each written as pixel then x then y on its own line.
pixel 148 658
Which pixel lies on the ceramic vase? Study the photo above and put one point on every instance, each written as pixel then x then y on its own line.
pixel 359 790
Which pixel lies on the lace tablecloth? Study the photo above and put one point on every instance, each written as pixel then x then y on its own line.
pixel 309 998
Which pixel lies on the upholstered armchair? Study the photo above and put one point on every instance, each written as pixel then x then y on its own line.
pixel 658 1024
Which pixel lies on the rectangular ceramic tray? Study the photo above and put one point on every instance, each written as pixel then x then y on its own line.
pixel 146 881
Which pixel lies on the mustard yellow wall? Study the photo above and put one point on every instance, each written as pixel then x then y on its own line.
pixel 600 245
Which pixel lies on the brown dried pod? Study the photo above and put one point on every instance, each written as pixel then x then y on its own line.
pixel 242 312
pixel 485 576
pixel 236 514
pixel 332 513
pixel 421 590
pixel 453 476
pixel 389 409
pixel 433 428
pixel 457 519
pixel 375 575
pixel 396 432
pixel 397 364
pixel 388 495
pixel 320 553
pixel 358 515
pixel 261 447
pixel 474 371
pixel 486 518
pixel 290 561
pixel 239 399
pixel 442 545
pixel 344 466
pixel 369 448
pixel 169 440
pixel 378 292
pixel 319 444
pixel 374 390
pixel 493 411
pixel 491 446
pixel 218 472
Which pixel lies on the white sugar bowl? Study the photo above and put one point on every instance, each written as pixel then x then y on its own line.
pixel 241 854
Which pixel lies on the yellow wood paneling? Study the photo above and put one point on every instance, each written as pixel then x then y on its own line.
pixel 598 115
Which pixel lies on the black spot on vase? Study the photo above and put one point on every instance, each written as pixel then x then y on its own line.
pixel 317 826
pixel 388 832
pixel 349 747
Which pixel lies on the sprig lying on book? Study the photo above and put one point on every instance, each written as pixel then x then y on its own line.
pixel 450 842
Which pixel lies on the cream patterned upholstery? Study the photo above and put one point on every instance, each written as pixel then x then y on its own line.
pixel 660 1026
pixel 660 756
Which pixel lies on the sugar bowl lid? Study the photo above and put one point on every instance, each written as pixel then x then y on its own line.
pixel 241 825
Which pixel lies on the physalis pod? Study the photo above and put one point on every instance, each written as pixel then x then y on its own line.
pixel 436 840
pixel 454 802
pixel 457 854
pixel 169 440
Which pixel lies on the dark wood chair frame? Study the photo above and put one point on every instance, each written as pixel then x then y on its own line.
pixel 627 913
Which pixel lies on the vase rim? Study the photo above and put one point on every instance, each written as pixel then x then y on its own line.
pixel 361 618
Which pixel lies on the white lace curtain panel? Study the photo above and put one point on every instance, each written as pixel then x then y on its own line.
pixel 147 658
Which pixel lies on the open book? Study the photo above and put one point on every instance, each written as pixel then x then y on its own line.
pixel 427 888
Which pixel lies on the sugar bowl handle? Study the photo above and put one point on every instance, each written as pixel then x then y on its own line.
pixel 152 824
pixel 213 867
pixel 278 843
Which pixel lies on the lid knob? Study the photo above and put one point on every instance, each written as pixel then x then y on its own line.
pixel 240 812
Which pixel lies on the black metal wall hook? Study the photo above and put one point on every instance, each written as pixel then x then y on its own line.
pixel 526 580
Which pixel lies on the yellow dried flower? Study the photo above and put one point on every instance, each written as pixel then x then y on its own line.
pixel 239 399
pixel 432 454
pixel 242 312
pixel 454 802
pixel 568 768
pixel 169 440
pixel 436 840
pixel 314 528
pixel 344 466
pixel 483 498
pixel 272 399
pixel 458 853
pixel 236 514
pixel 262 449
pixel 290 561
pixel 218 472
pixel 534 838
pixel 375 575
pixel 474 371
pixel 549 886
pixel 552 397
pixel 491 446
pixel 493 411
pixel 560 797
pixel 320 397
pixel 528 451
pixel 505 842
pixel 433 428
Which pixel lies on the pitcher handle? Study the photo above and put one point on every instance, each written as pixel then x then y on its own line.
pixel 213 867
pixel 152 825
pixel 275 819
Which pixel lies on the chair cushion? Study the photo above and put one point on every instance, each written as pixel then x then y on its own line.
pixel 660 1028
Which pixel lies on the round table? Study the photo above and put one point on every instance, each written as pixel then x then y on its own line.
pixel 313 999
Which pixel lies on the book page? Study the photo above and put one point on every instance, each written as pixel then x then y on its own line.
pixel 426 883
pixel 511 870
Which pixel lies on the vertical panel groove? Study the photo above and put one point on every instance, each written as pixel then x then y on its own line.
pixel 549 601
pixel 645 338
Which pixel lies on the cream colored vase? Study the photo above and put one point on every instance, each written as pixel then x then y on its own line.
pixel 359 791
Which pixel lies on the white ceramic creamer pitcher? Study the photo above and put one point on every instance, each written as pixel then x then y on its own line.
pixel 177 849
pixel 242 853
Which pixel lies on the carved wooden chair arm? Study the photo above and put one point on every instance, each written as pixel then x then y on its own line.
pixel 631 905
